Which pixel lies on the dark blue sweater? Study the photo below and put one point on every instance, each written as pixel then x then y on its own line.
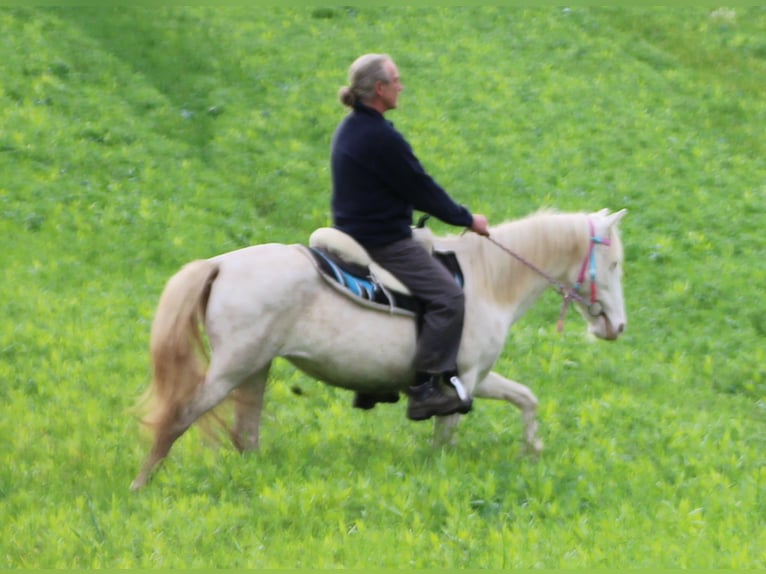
pixel 378 181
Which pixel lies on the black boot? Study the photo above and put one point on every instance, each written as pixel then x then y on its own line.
pixel 367 401
pixel 427 399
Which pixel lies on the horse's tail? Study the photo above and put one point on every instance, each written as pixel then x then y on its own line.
pixel 178 351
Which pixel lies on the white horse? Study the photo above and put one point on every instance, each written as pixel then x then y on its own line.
pixel 268 301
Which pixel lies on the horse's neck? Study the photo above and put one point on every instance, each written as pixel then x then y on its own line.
pixel 542 248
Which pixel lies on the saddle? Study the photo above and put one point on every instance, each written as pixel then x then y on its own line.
pixel 348 268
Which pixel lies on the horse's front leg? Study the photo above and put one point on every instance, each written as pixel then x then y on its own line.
pixel 444 429
pixel 495 386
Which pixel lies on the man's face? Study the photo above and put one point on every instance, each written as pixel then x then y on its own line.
pixel 388 92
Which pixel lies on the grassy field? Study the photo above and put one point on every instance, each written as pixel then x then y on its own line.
pixel 133 140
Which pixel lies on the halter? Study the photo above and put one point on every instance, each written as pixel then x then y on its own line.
pixel 594 308
pixel 572 294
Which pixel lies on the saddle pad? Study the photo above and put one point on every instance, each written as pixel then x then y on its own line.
pixel 332 240
pixel 360 284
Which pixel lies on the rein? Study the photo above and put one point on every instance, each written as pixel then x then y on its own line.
pixel 569 294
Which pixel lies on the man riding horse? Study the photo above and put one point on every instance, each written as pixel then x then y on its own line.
pixel 377 183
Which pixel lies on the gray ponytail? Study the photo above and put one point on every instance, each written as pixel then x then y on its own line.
pixel 363 74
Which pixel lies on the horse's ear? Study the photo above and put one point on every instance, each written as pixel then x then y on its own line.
pixel 615 217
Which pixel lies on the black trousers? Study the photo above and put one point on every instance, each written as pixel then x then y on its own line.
pixel 442 299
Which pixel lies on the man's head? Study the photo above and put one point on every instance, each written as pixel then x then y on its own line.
pixel 373 80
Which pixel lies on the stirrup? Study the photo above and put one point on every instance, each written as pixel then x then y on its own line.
pixel 457 384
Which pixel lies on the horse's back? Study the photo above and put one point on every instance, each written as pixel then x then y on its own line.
pixel 274 268
pixel 255 280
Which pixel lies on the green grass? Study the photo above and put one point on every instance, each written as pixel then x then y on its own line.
pixel 134 140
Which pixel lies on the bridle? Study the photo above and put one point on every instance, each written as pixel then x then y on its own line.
pixel 594 306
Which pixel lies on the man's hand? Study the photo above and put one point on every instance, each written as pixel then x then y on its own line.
pixel 480 225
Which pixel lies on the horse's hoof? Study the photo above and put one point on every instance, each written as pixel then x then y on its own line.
pixel 138 483
pixel 534 448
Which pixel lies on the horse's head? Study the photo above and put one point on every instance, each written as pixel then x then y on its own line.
pixel 602 303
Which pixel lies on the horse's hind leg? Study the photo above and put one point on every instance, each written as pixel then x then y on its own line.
pixel 248 399
pixel 163 440
pixel 495 386
pixel 214 390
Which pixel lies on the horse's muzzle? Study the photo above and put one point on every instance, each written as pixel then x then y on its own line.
pixel 603 328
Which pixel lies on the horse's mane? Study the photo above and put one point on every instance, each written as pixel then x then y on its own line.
pixel 539 238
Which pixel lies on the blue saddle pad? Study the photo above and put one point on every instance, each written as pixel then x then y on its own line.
pixel 358 282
